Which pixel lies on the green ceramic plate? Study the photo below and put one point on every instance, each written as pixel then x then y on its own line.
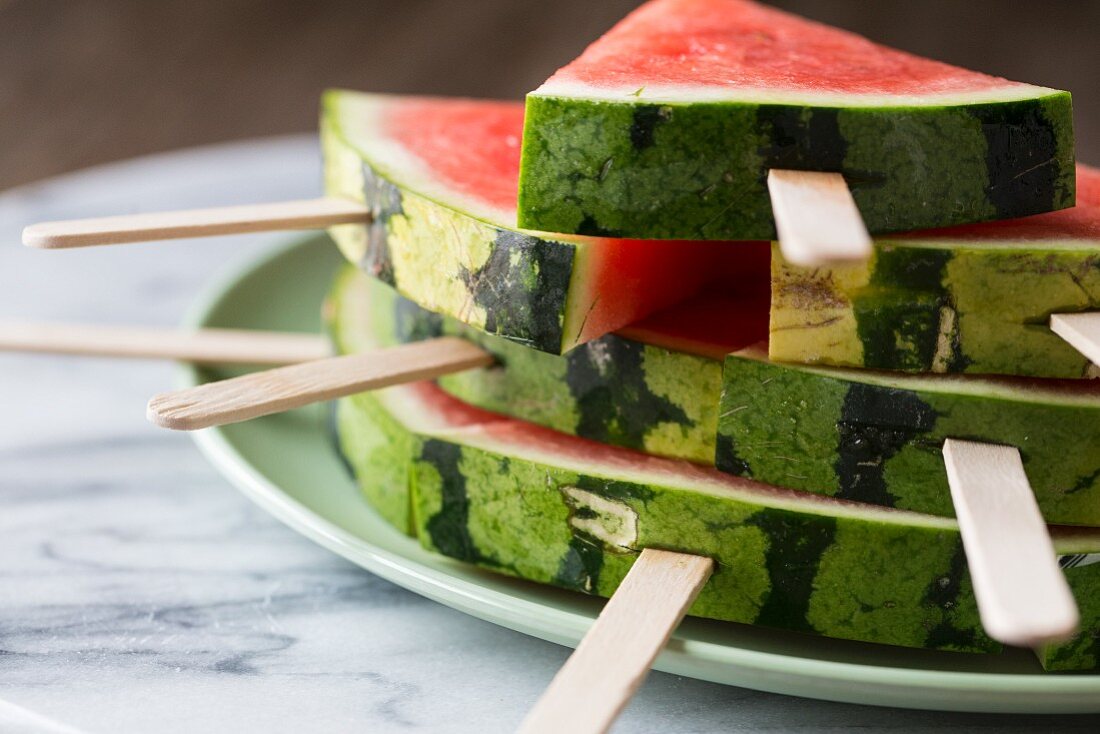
pixel 289 466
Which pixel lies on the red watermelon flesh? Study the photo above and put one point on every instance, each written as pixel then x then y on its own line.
pixel 471 145
pixel 733 48
pixel 712 324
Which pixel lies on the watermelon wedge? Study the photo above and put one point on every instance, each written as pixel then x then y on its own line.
pixel 440 177
pixel 530 502
pixel 667 125
pixel 973 299
pixel 660 387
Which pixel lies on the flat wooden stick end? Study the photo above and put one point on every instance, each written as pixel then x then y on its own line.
pixel 40 238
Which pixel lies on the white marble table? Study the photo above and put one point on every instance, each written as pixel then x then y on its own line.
pixel 140 593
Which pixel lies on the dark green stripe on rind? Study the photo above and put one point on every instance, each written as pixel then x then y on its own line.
pixel 905 296
pixel 875 424
pixel 384 200
pixel 951 307
pixel 953 594
pixel 1023 146
pixel 878 438
pixel 525 264
pixel 447 529
pixel 1083 651
pixel 801 138
pixel 796 545
pixel 697 170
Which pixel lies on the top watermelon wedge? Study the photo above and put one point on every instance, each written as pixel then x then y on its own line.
pixel 440 178
pixel 666 127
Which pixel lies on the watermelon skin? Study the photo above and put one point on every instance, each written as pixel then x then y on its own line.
pixel 967 299
pixel 614 389
pixel 635 155
pixel 1083 651
pixel 439 178
pixel 776 567
pixel 876 437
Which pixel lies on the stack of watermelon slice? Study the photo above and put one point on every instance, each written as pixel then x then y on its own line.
pixel 666 379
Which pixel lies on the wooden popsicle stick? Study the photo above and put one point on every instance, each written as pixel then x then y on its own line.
pixel 1023 598
pixel 1081 330
pixel 613 659
pixel 285 388
pixel 302 214
pixel 816 218
pixel 201 346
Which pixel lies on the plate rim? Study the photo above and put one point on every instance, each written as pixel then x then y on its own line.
pixel 869 684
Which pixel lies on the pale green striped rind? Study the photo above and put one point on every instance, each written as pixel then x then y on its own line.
pixel 376 444
pixel 806 571
pixel 495 279
pixel 938 306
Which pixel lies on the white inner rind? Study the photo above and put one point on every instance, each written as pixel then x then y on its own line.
pixel 642 93
pixel 1017 390
pixel 977 242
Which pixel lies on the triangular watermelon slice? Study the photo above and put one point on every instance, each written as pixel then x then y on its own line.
pixel 667 125
pixel 973 299
pixel 440 176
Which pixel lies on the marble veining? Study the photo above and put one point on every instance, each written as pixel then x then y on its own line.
pixel 141 593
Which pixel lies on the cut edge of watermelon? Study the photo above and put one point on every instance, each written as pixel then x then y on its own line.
pixel 753 53
pixel 358 120
pixel 677 95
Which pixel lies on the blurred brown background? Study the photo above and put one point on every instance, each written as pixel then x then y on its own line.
pixel 85 82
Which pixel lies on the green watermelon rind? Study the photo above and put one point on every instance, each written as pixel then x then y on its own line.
pixel 452 260
pixel 697 170
pixel 785 560
pixel 887 431
pixel 939 306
